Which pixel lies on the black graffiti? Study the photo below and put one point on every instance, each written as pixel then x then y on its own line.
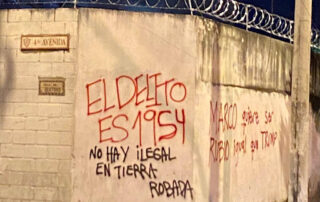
pixel 103 169
pixel 159 154
pixel 113 153
pixel 95 153
pixel 136 170
pixel 174 189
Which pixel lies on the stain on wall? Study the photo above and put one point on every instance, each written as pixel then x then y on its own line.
pixel 249 145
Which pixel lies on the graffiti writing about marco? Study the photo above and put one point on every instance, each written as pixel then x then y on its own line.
pixel 145 112
pixel 238 133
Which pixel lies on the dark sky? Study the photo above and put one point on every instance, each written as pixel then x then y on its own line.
pixel 285 8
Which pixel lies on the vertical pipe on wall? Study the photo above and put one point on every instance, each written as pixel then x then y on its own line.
pixel 299 150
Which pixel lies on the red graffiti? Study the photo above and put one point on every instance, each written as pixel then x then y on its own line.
pixel 268 139
pixel 145 93
pixel 175 93
pixel 239 146
pixel 224 119
pixel 250 117
pixel 224 116
pixel 89 112
pixel 219 150
pixel 155 117
pixel 117 138
pixel 254 145
pixel 268 117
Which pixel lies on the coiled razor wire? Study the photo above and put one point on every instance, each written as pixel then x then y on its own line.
pixel 230 11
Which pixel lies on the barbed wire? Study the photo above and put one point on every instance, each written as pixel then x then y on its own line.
pixel 230 11
pixel 250 16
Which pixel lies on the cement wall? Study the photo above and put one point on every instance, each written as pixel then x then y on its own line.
pixel 250 127
pixel 243 80
pixel 157 107
pixel 115 53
